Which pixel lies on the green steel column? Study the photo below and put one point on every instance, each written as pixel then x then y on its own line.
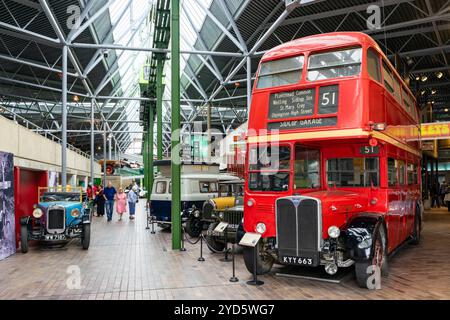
pixel 150 152
pixel 159 98
pixel 175 152
pixel 144 158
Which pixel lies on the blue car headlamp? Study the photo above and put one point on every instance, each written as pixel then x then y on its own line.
pixel 75 213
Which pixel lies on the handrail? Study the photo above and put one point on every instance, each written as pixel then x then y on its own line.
pixel 43 132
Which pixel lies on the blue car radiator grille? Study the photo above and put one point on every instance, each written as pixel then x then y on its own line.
pixel 55 219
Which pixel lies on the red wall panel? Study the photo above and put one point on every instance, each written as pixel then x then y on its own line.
pixel 26 183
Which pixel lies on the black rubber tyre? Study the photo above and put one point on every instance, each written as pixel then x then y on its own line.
pixel 379 259
pixel 24 238
pixel 417 233
pixel 211 242
pixel 194 226
pixel 86 237
pixel 263 262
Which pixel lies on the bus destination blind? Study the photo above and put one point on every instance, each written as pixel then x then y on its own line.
pixel 292 104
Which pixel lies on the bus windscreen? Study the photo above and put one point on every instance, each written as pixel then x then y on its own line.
pixel 336 64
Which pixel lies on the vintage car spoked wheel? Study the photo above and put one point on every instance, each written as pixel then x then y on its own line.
pixel 86 237
pixel 211 241
pixel 194 226
pixel 264 262
pixel 24 238
pixel 366 269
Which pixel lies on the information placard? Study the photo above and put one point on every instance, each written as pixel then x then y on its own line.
pixel 250 239
pixel 221 227
pixel 298 103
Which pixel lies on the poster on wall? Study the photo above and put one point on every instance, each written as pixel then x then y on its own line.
pixel 52 179
pixel 7 222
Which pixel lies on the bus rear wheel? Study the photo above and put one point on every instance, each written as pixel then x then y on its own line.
pixel 264 262
pixel 416 236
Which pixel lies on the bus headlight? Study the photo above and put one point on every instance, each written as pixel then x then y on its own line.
pixel 196 213
pixel 75 213
pixel 260 228
pixel 334 232
pixel 250 202
pixel 37 213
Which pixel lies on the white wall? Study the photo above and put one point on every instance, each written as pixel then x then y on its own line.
pixel 33 151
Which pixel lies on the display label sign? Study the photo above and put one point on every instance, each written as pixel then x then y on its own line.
pixel 302 124
pixel 292 104
pixel 250 239
pixel 221 227
pixel 367 150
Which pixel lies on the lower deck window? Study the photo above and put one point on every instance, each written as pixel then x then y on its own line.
pixel 353 172
pixel 268 181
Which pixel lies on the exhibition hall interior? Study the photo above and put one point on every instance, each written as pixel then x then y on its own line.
pixel 224 150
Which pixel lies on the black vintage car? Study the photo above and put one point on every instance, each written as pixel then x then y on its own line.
pixel 228 207
pixel 56 219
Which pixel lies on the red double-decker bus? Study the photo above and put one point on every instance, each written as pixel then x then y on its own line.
pixel 333 157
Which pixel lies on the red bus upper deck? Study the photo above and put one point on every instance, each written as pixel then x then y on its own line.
pixel 310 87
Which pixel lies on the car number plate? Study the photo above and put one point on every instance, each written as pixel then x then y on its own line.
pixel 55 237
pixel 298 261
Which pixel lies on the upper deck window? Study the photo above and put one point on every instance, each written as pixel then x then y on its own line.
pixel 280 72
pixel 342 63
pixel 388 78
pixel 373 65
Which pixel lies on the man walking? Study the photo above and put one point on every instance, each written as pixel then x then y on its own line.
pixel 110 193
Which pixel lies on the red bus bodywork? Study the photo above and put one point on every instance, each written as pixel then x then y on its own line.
pixel 363 103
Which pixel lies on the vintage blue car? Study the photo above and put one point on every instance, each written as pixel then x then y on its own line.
pixel 58 218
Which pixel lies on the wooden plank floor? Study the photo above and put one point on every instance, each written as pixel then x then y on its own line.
pixel 125 261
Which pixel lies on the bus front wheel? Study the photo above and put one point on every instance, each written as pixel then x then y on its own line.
pixel 264 262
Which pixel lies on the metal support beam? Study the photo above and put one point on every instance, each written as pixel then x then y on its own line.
pixel 175 152
pixel 155 50
pixel 159 101
pixel 92 142
pixel 150 144
pixel 64 120
pixel 249 83
pixel 104 156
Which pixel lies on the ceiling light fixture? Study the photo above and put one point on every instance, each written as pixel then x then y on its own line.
pixel 439 74
pixel 424 78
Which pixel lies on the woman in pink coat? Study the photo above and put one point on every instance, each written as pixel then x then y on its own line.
pixel 121 200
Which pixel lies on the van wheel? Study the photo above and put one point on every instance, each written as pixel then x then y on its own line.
pixel 365 269
pixel 24 238
pixel 416 236
pixel 194 226
pixel 211 241
pixel 264 262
